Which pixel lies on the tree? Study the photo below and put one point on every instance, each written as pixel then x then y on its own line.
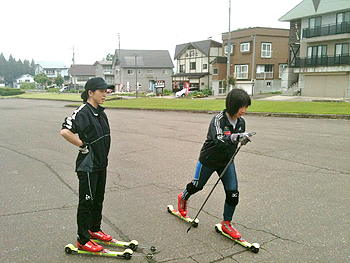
pixel 41 79
pixel 59 80
pixel 109 57
pixel 12 69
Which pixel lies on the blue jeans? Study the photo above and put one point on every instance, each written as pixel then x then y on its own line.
pixel 229 181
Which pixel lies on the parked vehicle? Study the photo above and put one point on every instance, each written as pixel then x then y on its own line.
pixel 182 93
pixel 64 89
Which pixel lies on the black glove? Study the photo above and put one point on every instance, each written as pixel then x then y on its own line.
pixel 243 138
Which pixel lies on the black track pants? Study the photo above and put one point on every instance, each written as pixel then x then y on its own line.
pixel 91 195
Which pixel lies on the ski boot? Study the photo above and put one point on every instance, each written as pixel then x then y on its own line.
pixel 182 205
pixel 229 229
pixel 100 235
pixel 90 246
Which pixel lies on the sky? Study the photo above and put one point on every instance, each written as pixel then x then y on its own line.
pixel 50 30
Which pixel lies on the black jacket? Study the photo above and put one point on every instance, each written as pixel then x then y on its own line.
pixel 218 148
pixel 92 126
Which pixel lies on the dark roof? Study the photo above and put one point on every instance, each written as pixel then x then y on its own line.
pixel 203 46
pixel 82 70
pixel 191 75
pixel 144 58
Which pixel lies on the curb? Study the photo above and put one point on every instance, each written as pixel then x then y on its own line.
pixel 263 114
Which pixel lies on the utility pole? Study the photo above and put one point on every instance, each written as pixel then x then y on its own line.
pixel 119 62
pixel 136 73
pixel 74 79
pixel 228 48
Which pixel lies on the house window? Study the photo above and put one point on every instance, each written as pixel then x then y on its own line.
pixel 149 71
pixel 316 55
pixel 266 50
pixel 231 51
pixel 245 47
pixel 241 71
pixel 139 71
pixel 268 84
pixel 215 71
pixel 341 55
pixel 182 68
pixel 130 72
pixel 205 66
pixel 280 69
pixel 264 71
pixel 165 71
pixel 315 22
pixel 192 65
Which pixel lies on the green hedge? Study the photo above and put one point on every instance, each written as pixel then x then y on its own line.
pixel 10 92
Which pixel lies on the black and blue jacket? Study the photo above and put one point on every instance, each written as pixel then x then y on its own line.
pixel 218 148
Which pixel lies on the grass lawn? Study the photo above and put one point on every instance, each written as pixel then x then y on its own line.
pixel 207 104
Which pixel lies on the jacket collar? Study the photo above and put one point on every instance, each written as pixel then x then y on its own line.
pixel 95 111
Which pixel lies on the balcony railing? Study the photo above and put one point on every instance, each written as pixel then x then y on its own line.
pixel 322 61
pixel 264 75
pixel 326 30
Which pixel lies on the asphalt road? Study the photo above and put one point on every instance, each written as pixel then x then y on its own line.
pixel 294 182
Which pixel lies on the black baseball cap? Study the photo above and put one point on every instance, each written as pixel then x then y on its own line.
pixel 97 83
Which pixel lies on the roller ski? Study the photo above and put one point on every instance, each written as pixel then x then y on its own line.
pixel 133 245
pixel 182 212
pixel 126 254
pixel 235 236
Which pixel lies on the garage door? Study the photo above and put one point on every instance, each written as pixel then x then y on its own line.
pixel 326 86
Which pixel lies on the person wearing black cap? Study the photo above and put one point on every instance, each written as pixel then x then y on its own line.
pixel 90 122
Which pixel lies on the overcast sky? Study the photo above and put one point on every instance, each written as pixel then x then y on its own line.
pixel 48 30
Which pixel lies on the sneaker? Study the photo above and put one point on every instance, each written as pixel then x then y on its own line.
pixel 230 230
pixel 182 205
pixel 90 246
pixel 100 235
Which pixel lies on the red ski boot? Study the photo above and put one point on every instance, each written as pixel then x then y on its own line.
pixel 230 230
pixel 182 205
pixel 90 246
pixel 100 235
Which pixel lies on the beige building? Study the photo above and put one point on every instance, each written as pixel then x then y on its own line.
pixel 319 48
pixel 258 56
pixel 194 63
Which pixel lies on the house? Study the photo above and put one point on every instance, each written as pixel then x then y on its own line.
pixel 104 70
pixel 194 63
pixel 257 58
pixel 25 78
pixel 319 47
pixel 151 69
pixel 80 74
pixel 52 69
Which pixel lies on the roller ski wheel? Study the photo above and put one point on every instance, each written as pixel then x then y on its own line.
pixel 126 254
pixel 171 210
pixel 254 247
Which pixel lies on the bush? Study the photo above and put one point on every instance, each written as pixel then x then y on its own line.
pixel 27 86
pixel 10 92
pixel 167 92
pixel 207 92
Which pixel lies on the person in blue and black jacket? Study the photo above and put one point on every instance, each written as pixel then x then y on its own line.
pixel 226 130
pixel 90 122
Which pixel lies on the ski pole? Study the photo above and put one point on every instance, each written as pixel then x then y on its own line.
pixel 217 182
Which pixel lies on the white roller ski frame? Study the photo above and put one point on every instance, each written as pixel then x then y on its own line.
pixel 126 254
pixel 254 247
pixel 194 222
